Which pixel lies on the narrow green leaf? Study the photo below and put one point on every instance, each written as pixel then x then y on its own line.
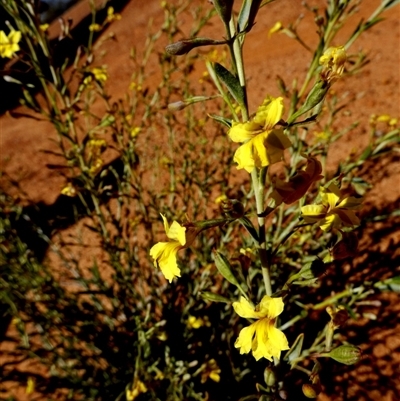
pixel 247 15
pixel 295 349
pixel 222 120
pixel 210 296
pixel 231 82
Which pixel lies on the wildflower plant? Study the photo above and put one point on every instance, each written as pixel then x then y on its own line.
pixel 186 253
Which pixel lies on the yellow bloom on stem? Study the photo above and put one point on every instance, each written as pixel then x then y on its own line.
pixel 9 44
pixel 261 337
pixel 334 211
pixel 262 145
pixel 333 61
pixel 112 16
pixel 164 253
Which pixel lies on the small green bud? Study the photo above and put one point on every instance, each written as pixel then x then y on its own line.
pixel 181 104
pixel 314 98
pixel 185 45
pixel 224 9
pixel 210 296
pixel 346 354
pixel 269 377
pixel 224 267
pixel 316 95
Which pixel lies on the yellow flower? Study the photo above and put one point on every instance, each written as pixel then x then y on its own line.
pixel 9 44
pixel 94 27
pixel 335 210
pixel 194 322
pixel 138 388
pixel 100 74
pixel 211 371
pixel 30 385
pixel 262 145
pixel 261 337
pixel 289 192
pixel 276 28
pixel 135 131
pixel 44 27
pixel 220 199
pixel 111 16
pixel 69 190
pixel 164 253
pixel 333 61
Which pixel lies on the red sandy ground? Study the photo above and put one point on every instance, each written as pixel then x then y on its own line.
pixel 375 91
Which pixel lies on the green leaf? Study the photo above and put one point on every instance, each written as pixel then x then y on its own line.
pixel 231 82
pixel 248 225
pixel 224 9
pixel 295 349
pixel 210 296
pixel 248 14
pixel 222 120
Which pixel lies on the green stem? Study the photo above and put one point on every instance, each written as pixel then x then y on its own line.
pixel 262 251
pixel 333 299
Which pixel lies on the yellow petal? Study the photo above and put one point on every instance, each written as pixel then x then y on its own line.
pixel 244 157
pixel 269 341
pixel 313 213
pixel 166 225
pixel 245 309
pixel 350 202
pixel 270 307
pixel 241 132
pixel 269 113
pixel 164 255
pixel 14 36
pixel 245 339
pixel 175 232
pixel 276 142
pixel 330 200
pixel 348 217
pixel 330 221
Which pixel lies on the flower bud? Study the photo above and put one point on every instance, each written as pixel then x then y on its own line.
pixel 210 296
pixel 346 354
pixel 333 61
pixel 314 98
pixel 185 45
pixel 311 390
pixel 233 208
pixel 224 9
pixel 269 377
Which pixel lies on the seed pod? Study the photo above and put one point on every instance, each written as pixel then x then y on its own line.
pixel 311 390
pixel 224 9
pixel 346 354
pixel 210 296
pixel 269 377
pixel 185 45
